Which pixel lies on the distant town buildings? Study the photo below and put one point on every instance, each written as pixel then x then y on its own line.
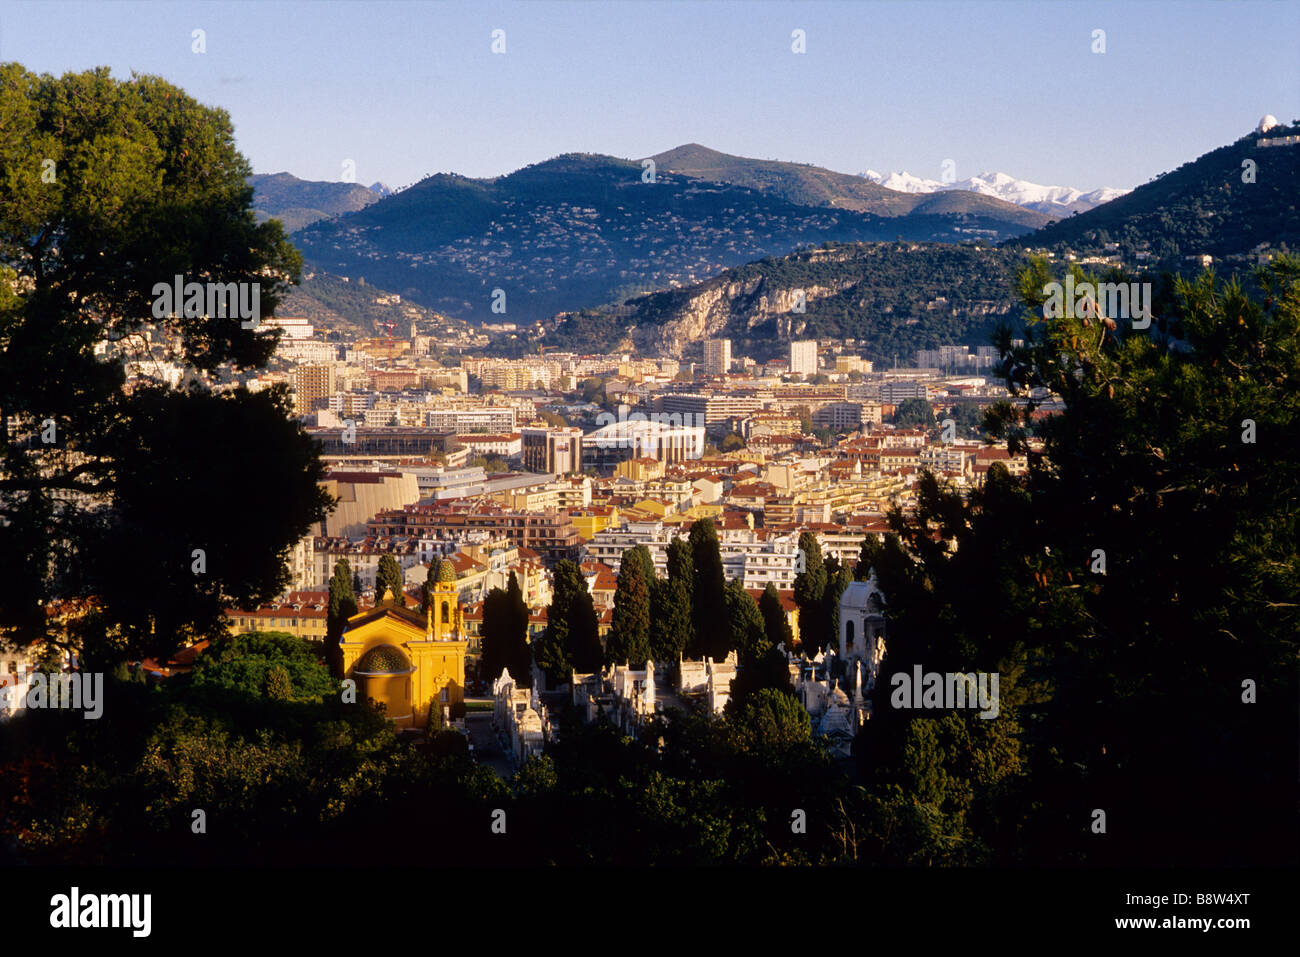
pixel 485 468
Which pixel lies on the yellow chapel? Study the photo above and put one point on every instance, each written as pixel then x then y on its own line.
pixel 404 660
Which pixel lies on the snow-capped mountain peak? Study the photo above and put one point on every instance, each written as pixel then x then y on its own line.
pixel 1046 199
pixel 905 182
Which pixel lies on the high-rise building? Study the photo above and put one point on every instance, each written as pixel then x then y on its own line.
pixel 803 357
pixel 717 356
pixel 312 386
pixel 552 450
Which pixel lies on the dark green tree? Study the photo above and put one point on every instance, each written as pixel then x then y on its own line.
pixel 913 413
pixel 867 554
pixel 585 648
pixel 271 664
pixel 520 654
pixel 389 577
pixel 809 590
pixel 671 628
pixel 505 634
pixel 342 606
pixel 571 641
pixel 967 417
pixel 278 686
pixel 708 592
pixel 1123 589
pixel 629 635
pixel 837 579
pixel 744 633
pixel 761 663
pixel 426 591
pixel 681 565
pixel 775 624
pixel 147 185
pixel 643 558
pixel 768 720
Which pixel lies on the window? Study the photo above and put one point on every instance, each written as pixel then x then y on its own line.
pixel 444 697
pixel 848 633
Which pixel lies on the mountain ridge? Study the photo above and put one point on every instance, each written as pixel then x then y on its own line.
pixel 581 229
pixel 1225 203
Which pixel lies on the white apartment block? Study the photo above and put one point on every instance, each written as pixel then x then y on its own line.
pixel 494 419
pixel 506 445
pixel 717 356
pixel 307 351
pixel 803 357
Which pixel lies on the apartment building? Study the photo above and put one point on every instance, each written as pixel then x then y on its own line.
pixel 803 357
pixel 549 532
pixel 312 387
pixel 717 356
pixel 557 450
pixel 489 419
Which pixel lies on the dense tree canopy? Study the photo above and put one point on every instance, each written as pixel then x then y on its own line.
pixel 1137 592
pixel 914 413
pixel 103 487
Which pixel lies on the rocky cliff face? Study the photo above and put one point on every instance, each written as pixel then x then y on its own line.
pixel 892 297
pixel 736 309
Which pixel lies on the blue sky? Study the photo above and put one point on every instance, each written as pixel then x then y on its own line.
pixel 408 88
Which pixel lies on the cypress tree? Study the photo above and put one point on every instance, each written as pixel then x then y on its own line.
pixel 708 596
pixel 427 590
pixel 389 577
pixel 554 650
pixel 809 589
pixel 342 606
pixel 744 632
pixel 629 636
pixel 585 650
pixel 775 623
pixel 505 634
pixel 519 654
pixel 837 579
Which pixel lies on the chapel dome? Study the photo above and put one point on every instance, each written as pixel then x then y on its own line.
pixel 384 660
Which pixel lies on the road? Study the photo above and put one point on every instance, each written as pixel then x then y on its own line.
pixel 486 747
